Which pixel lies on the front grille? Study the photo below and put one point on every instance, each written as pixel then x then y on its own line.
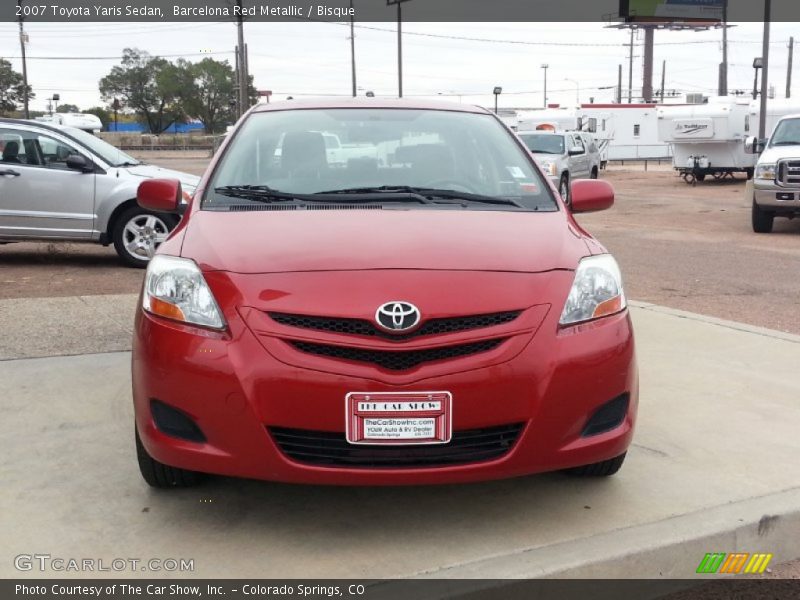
pixel 789 172
pixel 332 449
pixel 400 360
pixel 367 328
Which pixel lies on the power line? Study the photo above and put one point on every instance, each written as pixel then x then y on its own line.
pixel 119 57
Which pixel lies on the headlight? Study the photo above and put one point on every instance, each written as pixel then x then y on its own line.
pixel 767 172
pixel 174 288
pixel 596 292
pixel 549 167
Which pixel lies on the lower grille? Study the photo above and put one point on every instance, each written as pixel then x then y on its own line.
pixel 332 449
pixel 392 360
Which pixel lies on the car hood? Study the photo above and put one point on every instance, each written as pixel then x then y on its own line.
pixel 341 240
pixel 187 180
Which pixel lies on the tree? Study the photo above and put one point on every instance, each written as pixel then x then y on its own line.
pixel 149 85
pixel 12 90
pixel 209 96
pixel 67 108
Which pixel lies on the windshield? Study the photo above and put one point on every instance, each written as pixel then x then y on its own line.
pixel 543 143
pixel 427 158
pixel 787 133
pixel 113 156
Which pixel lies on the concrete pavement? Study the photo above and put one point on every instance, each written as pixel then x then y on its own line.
pixel 713 469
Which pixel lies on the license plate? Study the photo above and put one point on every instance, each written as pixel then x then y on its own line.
pixel 398 418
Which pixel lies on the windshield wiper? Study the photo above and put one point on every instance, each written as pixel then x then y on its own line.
pixel 128 163
pixel 786 143
pixel 263 193
pixel 428 193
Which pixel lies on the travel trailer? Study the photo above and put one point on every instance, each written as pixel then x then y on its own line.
pixel 708 139
pixel 623 131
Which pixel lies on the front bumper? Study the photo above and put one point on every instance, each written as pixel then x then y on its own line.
pixel 777 198
pixel 236 389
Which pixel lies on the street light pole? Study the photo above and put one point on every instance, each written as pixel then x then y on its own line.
pixel 545 66
pixel 497 91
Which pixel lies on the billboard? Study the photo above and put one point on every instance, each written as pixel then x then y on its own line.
pixel 671 10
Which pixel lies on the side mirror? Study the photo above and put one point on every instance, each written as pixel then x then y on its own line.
pixel 575 150
pixel 76 162
pixel 160 195
pixel 590 195
pixel 753 145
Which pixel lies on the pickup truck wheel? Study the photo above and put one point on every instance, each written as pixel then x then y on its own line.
pixel 604 468
pixel 594 173
pixel 138 233
pixel 159 475
pixel 762 219
pixel 563 189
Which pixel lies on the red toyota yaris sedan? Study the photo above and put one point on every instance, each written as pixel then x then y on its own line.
pixel 380 292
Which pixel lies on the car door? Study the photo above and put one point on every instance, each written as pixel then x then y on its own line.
pixel 579 163
pixel 40 197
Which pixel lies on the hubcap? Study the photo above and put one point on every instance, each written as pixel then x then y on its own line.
pixel 143 234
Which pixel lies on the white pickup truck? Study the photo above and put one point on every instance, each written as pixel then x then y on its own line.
pixel 776 181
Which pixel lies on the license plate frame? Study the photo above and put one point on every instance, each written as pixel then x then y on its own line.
pixel 398 410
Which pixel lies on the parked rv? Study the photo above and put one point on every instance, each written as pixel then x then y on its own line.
pixel 82 121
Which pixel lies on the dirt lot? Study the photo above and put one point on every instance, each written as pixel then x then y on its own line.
pixel 681 246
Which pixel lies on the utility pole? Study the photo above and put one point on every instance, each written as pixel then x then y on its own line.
pixel 663 78
pixel 723 68
pixel 23 39
pixel 647 83
pixel 789 68
pixel 353 48
pixel 241 57
pixel 630 68
pixel 544 68
pixel 762 124
pixel 399 44
pixel 619 84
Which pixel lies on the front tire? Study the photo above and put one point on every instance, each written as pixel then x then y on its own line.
pixel 762 219
pixel 594 173
pixel 563 189
pixel 605 468
pixel 159 475
pixel 138 233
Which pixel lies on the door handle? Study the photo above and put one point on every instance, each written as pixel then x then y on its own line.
pixel 11 172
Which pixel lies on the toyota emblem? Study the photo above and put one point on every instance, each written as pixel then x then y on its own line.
pixel 397 316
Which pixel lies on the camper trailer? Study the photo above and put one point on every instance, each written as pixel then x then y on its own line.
pixel 623 131
pixel 84 121
pixel 708 139
pixel 557 118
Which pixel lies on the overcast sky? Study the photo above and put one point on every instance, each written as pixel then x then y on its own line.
pixel 314 58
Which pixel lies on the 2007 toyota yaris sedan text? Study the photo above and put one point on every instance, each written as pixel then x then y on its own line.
pixel 413 304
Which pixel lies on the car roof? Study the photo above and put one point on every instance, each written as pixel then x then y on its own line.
pixel 389 103
pixel 42 124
